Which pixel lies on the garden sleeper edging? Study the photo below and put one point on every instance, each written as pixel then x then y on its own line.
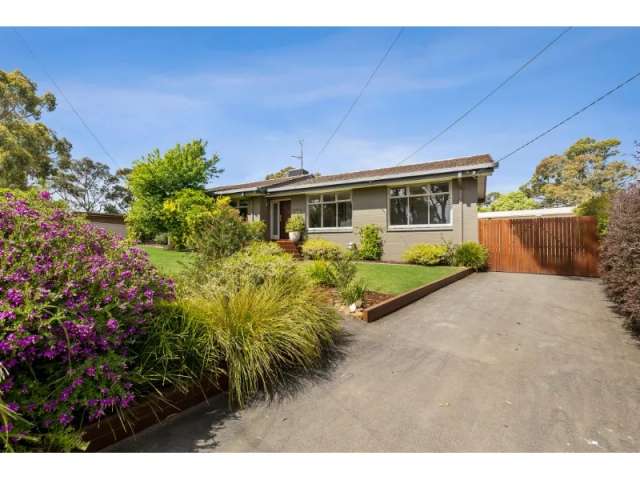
pixel 378 311
pixel 145 414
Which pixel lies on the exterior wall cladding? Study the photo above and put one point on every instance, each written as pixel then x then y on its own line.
pixel 369 206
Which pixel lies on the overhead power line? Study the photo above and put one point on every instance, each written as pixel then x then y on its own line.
pixel 62 94
pixel 486 97
pixel 350 109
pixel 570 117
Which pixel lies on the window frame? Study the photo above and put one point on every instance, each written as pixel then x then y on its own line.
pixel 239 203
pixel 322 202
pixel 421 226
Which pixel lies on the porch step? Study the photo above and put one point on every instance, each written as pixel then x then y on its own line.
pixel 289 247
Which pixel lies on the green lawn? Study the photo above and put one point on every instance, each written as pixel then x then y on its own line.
pixel 168 262
pixel 394 279
pixel 379 277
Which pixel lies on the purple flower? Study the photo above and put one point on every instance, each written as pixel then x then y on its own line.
pixel 65 419
pixel 44 195
pixel 15 297
pixel 6 427
pixel 7 315
pixel 91 371
pixel 112 324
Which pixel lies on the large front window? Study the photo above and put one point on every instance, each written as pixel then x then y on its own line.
pixel 330 210
pixel 420 205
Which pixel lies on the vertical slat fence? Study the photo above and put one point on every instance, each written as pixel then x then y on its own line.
pixel 560 246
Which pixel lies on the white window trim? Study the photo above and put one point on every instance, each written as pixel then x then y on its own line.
pixel 423 226
pixel 329 229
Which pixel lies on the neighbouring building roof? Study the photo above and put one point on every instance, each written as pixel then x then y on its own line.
pixel 535 212
pixel 302 182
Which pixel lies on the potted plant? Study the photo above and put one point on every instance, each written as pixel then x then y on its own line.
pixel 295 227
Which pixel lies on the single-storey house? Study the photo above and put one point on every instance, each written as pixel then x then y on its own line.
pixel 419 203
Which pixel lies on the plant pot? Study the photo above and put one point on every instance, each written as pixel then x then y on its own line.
pixel 295 236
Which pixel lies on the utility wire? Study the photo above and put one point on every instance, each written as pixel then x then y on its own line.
pixel 62 94
pixel 350 109
pixel 570 117
pixel 487 96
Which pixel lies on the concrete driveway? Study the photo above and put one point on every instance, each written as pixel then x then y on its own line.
pixel 495 362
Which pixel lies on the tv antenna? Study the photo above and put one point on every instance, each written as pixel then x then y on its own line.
pixel 301 156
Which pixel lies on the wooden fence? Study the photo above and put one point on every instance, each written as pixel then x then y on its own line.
pixel 561 246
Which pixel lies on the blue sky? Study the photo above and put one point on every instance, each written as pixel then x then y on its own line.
pixel 252 92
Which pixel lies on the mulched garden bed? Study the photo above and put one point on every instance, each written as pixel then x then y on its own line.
pixel 370 299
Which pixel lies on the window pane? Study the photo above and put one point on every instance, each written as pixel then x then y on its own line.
pixel 314 216
pixel 419 190
pixel 439 209
pixel 398 214
pixel 344 195
pixel 328 197
pixel 439 187
pixel 244 212
pixel 398 192
pixel 314 199
pixel 344 214
pixel 329 215
pixel 418 210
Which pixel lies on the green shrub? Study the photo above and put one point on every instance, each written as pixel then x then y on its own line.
pixel 295 223
pixel 370 242
pixel 426 254
pixel 264 316
pixel 321 273
pixel 321 249
pixel 344 271
pixel 352 292
pixel 161 238
pixel 178 208
pixel 218 232
pixel 472 255
pixel 256 230
pixel 598 207
pixel 255 264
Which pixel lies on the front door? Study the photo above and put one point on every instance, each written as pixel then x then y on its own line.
pixel 285 213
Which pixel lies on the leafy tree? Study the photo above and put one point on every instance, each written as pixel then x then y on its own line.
pixel 177 209
pixel 598 207
pixel 89 186
pixel 517 200
pixel 28 148
pixel 587 169
pixel 158 177
pixel 280 173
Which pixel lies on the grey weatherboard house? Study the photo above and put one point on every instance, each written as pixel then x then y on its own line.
pixel 419 203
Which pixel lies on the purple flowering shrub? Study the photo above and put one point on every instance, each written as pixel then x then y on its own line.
pixel 74 302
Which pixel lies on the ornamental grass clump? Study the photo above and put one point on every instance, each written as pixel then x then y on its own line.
pixel 263 315
pixel 74 300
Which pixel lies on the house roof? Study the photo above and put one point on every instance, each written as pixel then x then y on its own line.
pixel 302 182
pixel 474 162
